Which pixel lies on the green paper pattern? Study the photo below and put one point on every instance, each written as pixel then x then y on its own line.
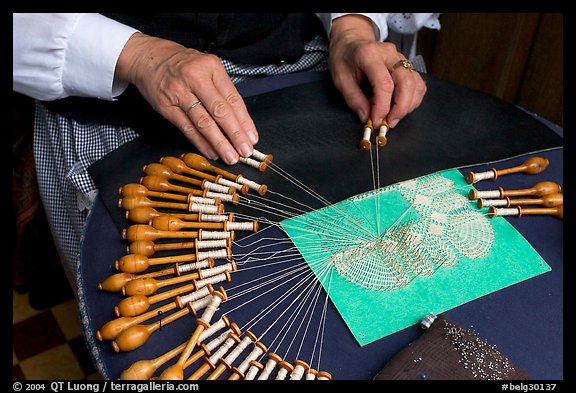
pixel 371 314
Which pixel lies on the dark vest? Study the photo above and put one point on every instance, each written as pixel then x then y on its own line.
pixel 255 39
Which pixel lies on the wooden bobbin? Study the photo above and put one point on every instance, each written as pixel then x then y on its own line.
pixel 271 363
pixel 539 189
pixel 146 232
pixel 284 368
pixel 157 169
pixel 206 349
pixel 323 376
pixel 143 215
pixel 231 198
pixel 179 166
pixel 169 222
pixel 239 371
pixel 519 211
pixel 531 166
pixel 145 369
pixel 111 329
pixel 382 131
pixel 176 371
pixel 300 368
pixel 258 155
pixel 136 336
pixel 149 248
pixel 136 263
pixel 261 189
pixel 255 368
pixel 138 304
pixel 147 286
pixel 311 374
pixel 224 253
pixel 226 363
pixel 116 282
pixel 159 183
pixel 550 200
pixel 211 361
pixel 200 163
pixel 135 189
pixel 365 141
pixel 260 165
pixel 134 201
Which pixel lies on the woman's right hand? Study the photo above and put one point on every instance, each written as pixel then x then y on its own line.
pixel 192 90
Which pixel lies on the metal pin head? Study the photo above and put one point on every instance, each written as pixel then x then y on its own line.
pixel 427 321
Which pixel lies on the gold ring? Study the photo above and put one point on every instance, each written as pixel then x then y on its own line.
pixel 404 64
pixel 193 105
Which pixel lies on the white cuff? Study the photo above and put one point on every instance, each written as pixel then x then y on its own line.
pixel 91 56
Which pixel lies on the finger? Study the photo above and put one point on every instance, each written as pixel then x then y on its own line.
pixel 353 95
pixel 205 124
pixel 382 88
pixel 408 95
pixel 231 95
pixel 177 117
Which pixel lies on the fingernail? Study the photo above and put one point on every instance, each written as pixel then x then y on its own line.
pixel 253 135
pixel 378 122
pixel 392 123
pixel 362 116
pixel 245 150
pixel 230 158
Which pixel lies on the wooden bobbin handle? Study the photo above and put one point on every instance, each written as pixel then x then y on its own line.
pixel 539 189
pixel 531 166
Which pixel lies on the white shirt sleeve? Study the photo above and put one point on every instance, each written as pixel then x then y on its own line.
pixel 69 54
pixel 405 23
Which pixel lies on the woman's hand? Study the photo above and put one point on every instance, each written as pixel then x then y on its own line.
pixel 192 90
pixel 355 55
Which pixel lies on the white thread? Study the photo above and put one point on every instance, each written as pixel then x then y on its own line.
pixel 229 183
pixel 250 162
pixel 252 184
pixel 483 176
pixel 223 197
pixel 203 201
pixel 214 217
pixel 507 211
pixel 310 376
pixel 253 355
pixel 258 155
pixel 297 373
pixel 203 208
pixel 214 254
pixel 206 235
pixel 216 356
pixel 201 303
pixel 239 226
pixel 488 194
pixel 367 133
pixel 237 350
pixel 213 344
pixel 268 368
pixel 217 270
pixel 495 202
pixel 211 280
pixel 198 294
pixel 215 187
pixel 322 378
pixel 251 374
pixel 220 324
pixel 188 267
pixel 383 130
pixel 282 373
pixel 211 308
pixel 203 244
